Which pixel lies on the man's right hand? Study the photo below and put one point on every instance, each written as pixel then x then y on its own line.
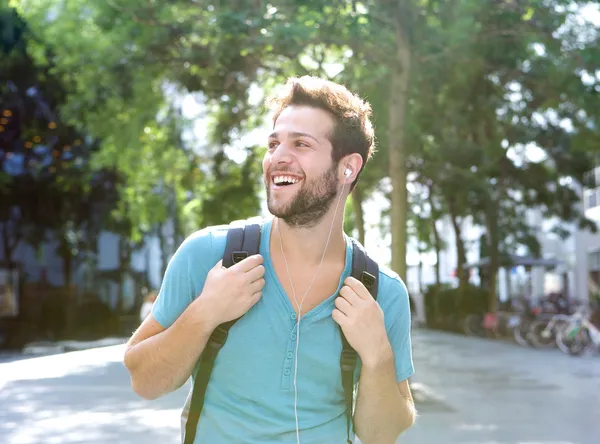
pixel 230 292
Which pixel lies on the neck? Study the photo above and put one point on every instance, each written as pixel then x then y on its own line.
pixel 307 244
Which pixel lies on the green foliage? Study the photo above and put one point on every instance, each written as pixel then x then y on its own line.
pixel 446 307
pixel 486 80
pixel 47 185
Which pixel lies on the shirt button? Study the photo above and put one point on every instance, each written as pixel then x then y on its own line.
pixel 293 336
pixel 287 372
pixel 290 355
pixel 293 316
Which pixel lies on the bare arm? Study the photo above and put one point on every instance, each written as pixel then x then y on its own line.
pixel 161 360
pixel 384 408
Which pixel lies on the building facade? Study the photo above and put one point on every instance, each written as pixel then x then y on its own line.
pixel 588 243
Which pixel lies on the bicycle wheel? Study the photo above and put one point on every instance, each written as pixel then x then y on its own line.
pixel 520 333
pixel 539 337
pixel 573 340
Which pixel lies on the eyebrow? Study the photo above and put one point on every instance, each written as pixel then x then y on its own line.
pixel 294 134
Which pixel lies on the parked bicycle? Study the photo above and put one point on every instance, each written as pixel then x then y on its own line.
pixel 521 324
pixel 579 334
pixel 557 311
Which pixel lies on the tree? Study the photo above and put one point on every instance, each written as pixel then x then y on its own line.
pixel 470 149
pixel 48 190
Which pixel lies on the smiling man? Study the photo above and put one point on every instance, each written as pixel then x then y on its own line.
pixel 277 379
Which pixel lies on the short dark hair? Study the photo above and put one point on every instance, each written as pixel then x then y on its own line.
pixel 353 131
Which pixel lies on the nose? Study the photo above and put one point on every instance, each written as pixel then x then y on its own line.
pixel 282 154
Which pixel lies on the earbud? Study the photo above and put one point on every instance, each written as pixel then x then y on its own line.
pixel 347 172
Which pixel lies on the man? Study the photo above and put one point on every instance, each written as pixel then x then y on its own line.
pixel 277 380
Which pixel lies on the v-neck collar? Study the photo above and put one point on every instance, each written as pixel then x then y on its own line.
pixel 319 309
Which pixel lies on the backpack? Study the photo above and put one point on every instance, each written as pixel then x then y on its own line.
pixel 244 241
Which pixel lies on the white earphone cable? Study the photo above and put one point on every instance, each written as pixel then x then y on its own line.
pixel 299 305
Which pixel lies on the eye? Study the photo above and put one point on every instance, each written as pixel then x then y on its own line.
pixel 301 144
pixel 273 145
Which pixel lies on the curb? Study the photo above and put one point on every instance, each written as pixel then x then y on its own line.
pixel 427 399
pixel 52 348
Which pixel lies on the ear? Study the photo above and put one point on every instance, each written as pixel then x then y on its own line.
pixel 352 162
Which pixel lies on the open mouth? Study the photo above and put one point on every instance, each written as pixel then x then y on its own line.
pixel 284 180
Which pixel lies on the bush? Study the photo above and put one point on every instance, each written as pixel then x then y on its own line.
pixel 96 320
pixel 431 298
pixel 473 300
pixel 446 307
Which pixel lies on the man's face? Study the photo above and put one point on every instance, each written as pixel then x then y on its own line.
pixel 299 173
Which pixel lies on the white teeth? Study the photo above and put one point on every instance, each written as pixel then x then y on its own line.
pixel 280 179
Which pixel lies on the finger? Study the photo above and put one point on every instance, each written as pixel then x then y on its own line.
pixel 219 264
pixel 343 305
pixel 256 273
pixel 358 287
pixel 350 295
pixel 338 316
pixel 248 264
pixel 257 285
pixel 256 297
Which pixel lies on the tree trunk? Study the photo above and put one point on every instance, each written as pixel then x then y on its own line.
pixel 420 274
pixel 437 245
pixel 162 242
pixel 357 204
pixel 69 301
pixel 491 222
pixel 463 279
pixel 67 267
pixel 397 149
pixel 437 241
pixel 124 264
pixel 9 247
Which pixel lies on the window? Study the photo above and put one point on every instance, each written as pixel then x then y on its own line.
pixel 591 198
pixel 594 261
pixel 592 201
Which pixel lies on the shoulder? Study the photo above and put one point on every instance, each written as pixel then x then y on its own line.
pixel 390 280
pixel 392 294
pixel 202 245
pixel 208 244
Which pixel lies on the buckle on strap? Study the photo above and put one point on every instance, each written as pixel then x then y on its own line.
pixel 218 338
pixel 367 279
pixel 238 256
pixel 348 360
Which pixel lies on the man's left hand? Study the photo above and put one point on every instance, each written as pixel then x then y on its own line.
pixel 361 320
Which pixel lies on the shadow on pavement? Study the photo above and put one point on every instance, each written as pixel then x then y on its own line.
pixel 94 404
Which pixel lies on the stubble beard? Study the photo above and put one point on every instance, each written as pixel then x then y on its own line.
pixel 310 204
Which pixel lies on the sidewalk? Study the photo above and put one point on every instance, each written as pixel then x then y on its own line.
pixel 45 348
pixel 423 394
pixel 488 392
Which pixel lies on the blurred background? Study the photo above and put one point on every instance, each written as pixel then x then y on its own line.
pixel 126 125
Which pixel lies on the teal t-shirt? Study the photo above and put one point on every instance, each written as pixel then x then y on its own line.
pixel 250 397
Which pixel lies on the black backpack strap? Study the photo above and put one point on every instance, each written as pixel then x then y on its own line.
pixel 242 242
pixel 365 270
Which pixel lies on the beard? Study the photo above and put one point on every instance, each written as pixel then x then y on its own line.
pixel 308 206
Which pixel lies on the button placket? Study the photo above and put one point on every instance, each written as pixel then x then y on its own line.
pixel 289 359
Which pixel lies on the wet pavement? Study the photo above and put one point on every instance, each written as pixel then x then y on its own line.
pixel 471 391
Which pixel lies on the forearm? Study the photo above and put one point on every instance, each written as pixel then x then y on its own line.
pixel 164 362
pixel 382 413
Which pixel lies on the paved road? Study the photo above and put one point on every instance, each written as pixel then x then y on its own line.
pixel 482 393
pixel 500 393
